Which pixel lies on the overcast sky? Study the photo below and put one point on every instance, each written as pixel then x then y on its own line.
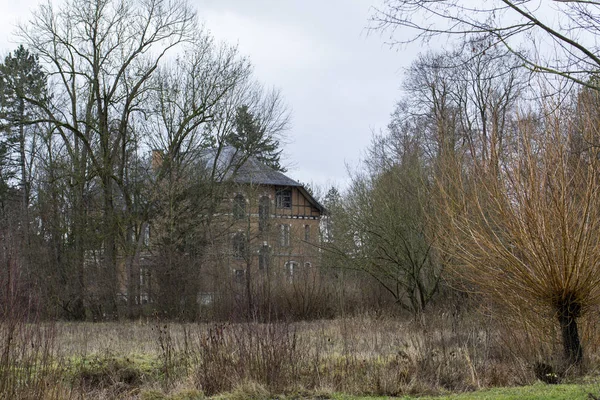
pixel 340 83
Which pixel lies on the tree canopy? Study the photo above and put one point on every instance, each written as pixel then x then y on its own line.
pixel 555 37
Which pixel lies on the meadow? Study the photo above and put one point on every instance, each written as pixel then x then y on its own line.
pixel 365 356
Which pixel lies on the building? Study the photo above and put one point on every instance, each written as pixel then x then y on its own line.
pixel 265 243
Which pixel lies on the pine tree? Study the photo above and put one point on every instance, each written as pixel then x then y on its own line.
pixel 22 82
pixel 253 139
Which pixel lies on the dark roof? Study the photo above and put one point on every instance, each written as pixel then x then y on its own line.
pixel 254 171
pixel 232 164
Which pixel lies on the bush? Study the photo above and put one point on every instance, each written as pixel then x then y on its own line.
pixel 106 371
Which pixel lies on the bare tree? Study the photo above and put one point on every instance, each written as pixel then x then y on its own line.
pixel 190 97
pixel 462 103
pixel 555 37
pixel 527 236
pixel 386 209
pixel 100 57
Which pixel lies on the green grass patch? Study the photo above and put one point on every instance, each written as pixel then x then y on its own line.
pixel 183 395
pixel 538 391
pixel 100 371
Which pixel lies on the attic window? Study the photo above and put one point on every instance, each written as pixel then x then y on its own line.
pixel 284 198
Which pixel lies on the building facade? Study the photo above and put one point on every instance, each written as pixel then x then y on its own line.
pixel 263 249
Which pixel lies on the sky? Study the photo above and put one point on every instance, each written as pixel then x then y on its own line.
pixel 339 81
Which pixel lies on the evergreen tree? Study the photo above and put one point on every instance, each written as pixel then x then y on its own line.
pixel 22 82
pixel 250 137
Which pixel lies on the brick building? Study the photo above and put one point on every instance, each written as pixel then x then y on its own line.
pixel 266 241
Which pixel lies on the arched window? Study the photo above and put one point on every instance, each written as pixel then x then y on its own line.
pixel 284 235
pixel 239 207
pixel 264 212
pixel 239 245
pixel 264 258
pixel 291 269
pixel 146 234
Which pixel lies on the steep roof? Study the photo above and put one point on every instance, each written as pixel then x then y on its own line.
pixel 254 171
pixel 232 164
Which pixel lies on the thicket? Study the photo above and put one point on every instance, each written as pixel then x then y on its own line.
pixel 367 355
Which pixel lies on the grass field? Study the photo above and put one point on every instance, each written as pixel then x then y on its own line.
pixel 538 391
pixel 351 358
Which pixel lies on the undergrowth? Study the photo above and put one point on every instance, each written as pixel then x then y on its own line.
pixel 365 355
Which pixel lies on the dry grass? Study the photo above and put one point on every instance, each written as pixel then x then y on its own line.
pixel 365 355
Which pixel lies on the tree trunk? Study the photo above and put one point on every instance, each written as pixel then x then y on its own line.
pixel 76 287
pixel 24 177
pixel 568 311
pixel 111 280
pixel 25 245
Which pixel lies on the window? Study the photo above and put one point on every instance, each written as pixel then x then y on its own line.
pixel 239 274
pixel 239 245
pixel 146 234
pixel 205 299
pixel 144 284
pixel 284 198
pixel 307 233
pixel 291 268
pixel 263 257
pixel 143 276
pixel 239 207
pixel 284 235
pixel 264 211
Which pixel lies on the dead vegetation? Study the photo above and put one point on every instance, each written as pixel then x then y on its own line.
pixel 363 355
